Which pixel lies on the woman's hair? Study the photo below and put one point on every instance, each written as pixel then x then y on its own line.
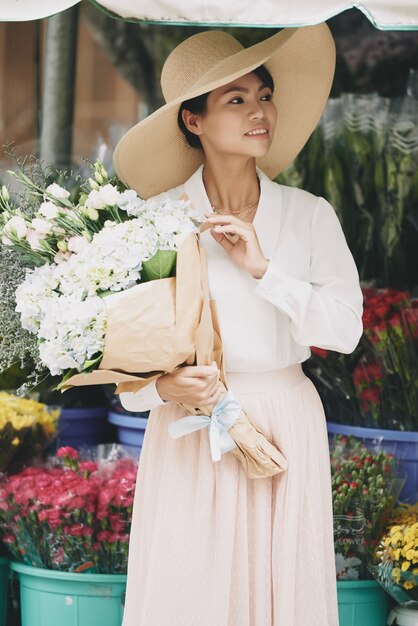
pixel 198 106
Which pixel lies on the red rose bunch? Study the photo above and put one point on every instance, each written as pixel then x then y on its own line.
pixel 367 378
pixel 382 312
pixel 376 385
pixel 69 514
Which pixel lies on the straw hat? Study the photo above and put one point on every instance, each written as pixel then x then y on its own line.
pixel 154 156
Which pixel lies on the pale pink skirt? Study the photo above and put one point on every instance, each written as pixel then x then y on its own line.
pixel 211 547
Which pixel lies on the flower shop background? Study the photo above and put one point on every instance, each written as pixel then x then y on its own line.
pixel 363 158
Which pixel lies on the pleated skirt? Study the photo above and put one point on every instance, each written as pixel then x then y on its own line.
pixel 210 546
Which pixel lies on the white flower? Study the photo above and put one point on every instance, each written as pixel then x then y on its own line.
pixel 49 210
pixel 130 202
pixel 76 243
pixel 41 226
pixel 109 194
pixel 72 331
pixel 57 191
pixel 33 238
pixel 167 224
pixel 34 294
pixel 16 226
pixel 61 256
pixel 7 241
pixel 94 200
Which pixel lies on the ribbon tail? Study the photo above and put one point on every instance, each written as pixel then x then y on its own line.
pixel 227 443
pixel 215 441
pixel 220 440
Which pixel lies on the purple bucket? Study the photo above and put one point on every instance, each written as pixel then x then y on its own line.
pixel 80 426
pixel 131 430
pixel 402 444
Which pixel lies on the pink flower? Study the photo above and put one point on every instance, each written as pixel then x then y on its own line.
pixel 88 466
pixel 76 530
pixel 67 451
pixel 117 522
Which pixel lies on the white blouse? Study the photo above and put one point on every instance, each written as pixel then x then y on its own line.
pixel 310 294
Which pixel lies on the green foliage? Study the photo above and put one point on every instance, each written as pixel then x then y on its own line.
pixel 363 158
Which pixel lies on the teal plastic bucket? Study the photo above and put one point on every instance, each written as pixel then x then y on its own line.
pixel 362 603
pixel 4 587
pixel 53 598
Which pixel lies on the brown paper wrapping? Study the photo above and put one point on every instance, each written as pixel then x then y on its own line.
pixel 157 326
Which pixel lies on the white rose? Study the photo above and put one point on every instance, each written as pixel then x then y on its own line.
pixel 41 225
pixel 57 191
pixel 48 209
pixel 16 225
pixel 109 194
pixel 94 200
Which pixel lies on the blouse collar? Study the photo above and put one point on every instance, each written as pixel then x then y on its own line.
pixel 268 215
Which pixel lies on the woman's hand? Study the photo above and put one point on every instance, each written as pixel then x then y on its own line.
pixel 244 248
pixel 194 385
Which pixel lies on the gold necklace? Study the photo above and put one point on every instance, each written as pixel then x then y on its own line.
pixel 249 206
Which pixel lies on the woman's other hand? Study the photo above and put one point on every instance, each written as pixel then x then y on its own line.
pixel 194 385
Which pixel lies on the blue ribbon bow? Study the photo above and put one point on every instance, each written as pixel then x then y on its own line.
pixel 224 414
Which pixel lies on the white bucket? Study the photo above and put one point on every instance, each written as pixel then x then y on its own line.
pixel 404 617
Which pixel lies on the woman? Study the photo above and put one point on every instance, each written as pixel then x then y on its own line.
pixel 208 545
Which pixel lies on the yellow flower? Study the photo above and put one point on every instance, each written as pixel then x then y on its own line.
pixel 408 584
pixel 396 538
pixel 396 574
pixel 405 566
pixel 396 554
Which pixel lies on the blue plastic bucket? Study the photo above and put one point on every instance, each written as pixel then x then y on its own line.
pixel 53 598
pixel 131 429
pixel 4 587
pixel 83 426
pixel 402 444
pixel 362 603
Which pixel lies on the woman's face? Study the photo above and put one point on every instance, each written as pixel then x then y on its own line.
pixel 240 119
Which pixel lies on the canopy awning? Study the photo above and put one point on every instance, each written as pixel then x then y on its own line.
pixel 384 14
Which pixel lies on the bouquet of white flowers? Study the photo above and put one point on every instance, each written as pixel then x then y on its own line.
pixel 116 292
pixel 106 242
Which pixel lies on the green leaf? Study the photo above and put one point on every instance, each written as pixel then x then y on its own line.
pixel 71 372
pixel 161 265
pixel 91 365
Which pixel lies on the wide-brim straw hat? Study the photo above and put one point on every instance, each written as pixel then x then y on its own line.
pixel 154 156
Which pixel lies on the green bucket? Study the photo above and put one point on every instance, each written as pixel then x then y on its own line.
pixel 362 603
pixel 49 597
pixel 4 587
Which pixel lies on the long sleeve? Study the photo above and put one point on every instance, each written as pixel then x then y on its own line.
pixel 143 400
pixel 325 311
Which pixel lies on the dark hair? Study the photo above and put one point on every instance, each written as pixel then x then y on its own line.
pixel 198 106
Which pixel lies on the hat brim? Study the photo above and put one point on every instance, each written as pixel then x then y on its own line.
pixel 153 155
